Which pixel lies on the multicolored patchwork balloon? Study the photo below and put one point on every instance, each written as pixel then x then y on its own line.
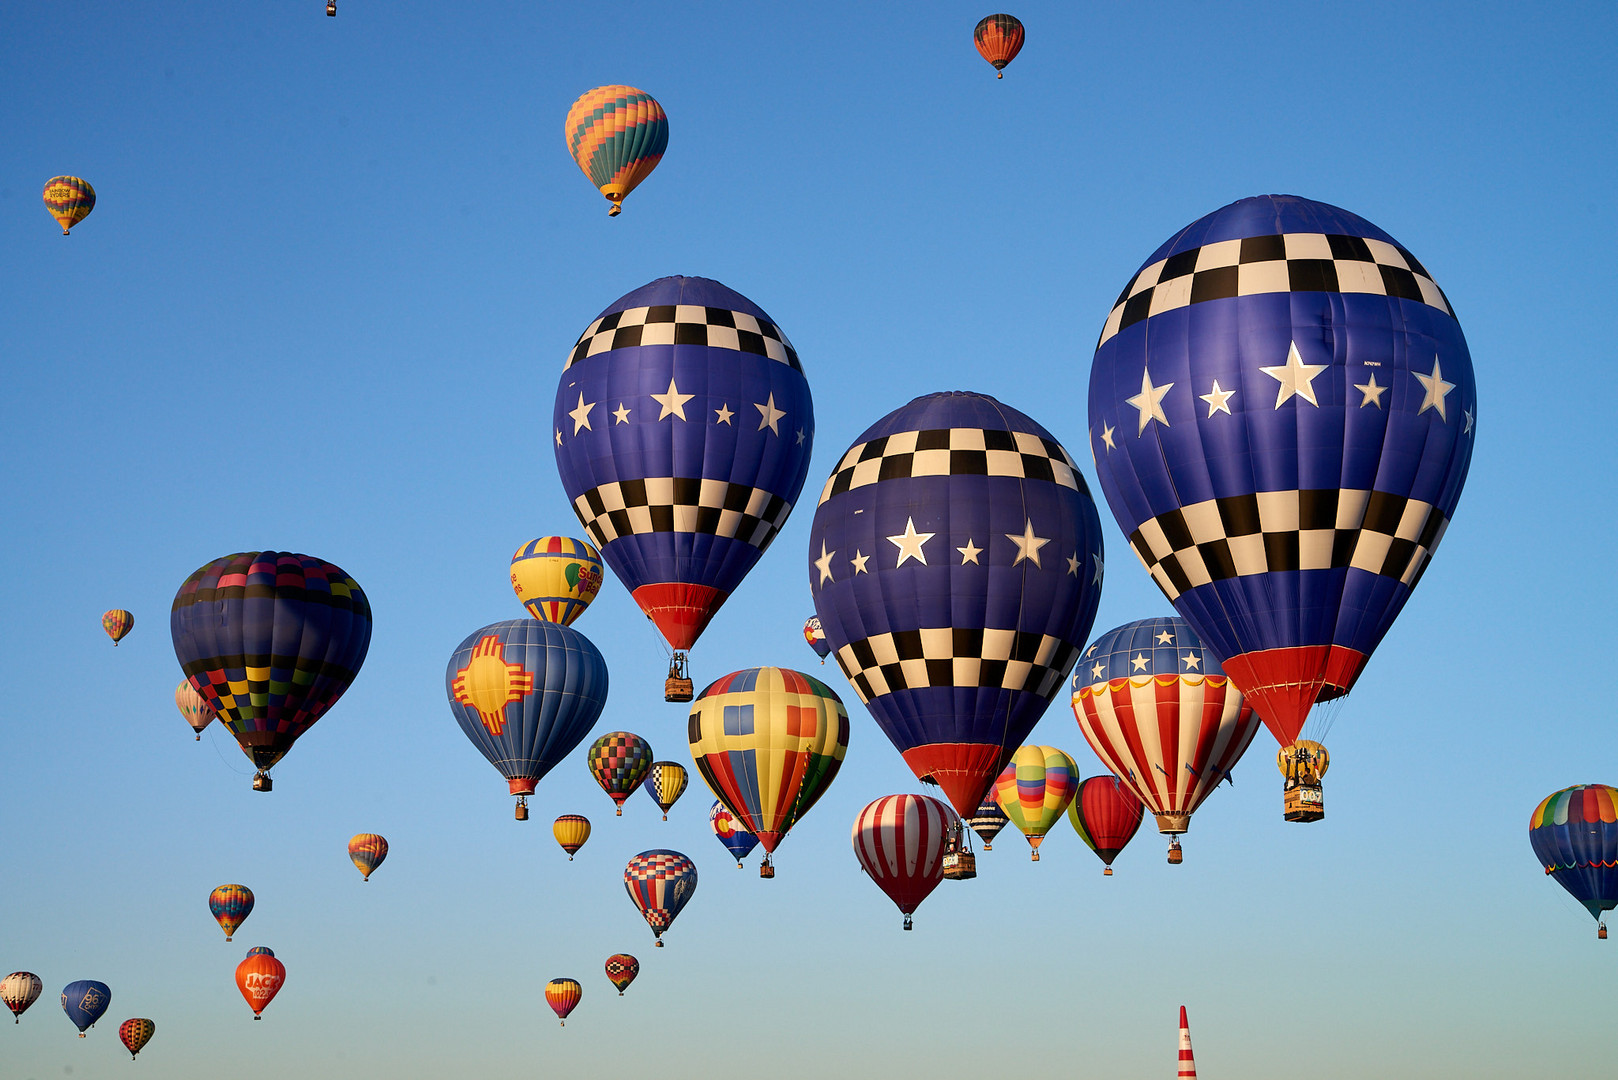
pixel 665 783
pixel 563 995
pixel 117 623
pixel 571 831
pixel 19 990
pixel 230 906
pixel 732 833
pixel 194 707
pixel 619 761
pixel 660 883
pixel 621 971
pixel 1282 411
pixel 84 1002
pixel 956 562
pixel 556 577
pixel 899 841
pixel 526 693
pixel 135 1034
pixel 1157 709
pixel 1574 833
pixel 769 742
pixel 1106 815
pixel 683 428
pixel 366 851
pixel 69 199
pixel 1035 789
pixel 999 39
pixel 270 640
pixel 617 135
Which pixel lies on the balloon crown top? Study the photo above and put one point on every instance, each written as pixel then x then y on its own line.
pixel 679 289
pixel 1267 216
pixel 1161 646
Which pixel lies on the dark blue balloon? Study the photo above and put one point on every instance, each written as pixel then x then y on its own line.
pixel 682 428
pixel 1281 414
pixel 526 693
pixel 84 1002
pixel 956 563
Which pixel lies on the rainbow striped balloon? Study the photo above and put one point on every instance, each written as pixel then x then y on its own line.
pixel 1034 790
pixel 617 134
pixel 69 199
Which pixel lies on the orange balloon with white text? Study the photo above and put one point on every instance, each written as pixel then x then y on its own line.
pixel 259 978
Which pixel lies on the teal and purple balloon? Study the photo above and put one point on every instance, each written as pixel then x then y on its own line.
pixel 84 1002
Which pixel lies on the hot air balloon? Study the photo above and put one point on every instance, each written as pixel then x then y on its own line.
pixel 697 454
pixel 617 135
pixel 367 850
pixel 816 637
pixel 526 693
pixel 562 995
pixel 769 742
pixel 261 950
pixel 900 841
pixel 619 761
pixel 230 905
pixel 270 640
pixel 69 199
pixel 665 783
pixel 556 577
pixel 84 1001
pixel 136 1034
pixel 1303 409
pixel 1034 790
pixel 19 990
pixel 571 831
pixel 1106 815
pixel 660 883
pixel 737 840
pixel 259 977
pixel 194 707
pixel 1157 709
pixel 621 971
pixel 999 40
pixel 1575 837
pixel 117 623
pixel 955 561
pixel 988 820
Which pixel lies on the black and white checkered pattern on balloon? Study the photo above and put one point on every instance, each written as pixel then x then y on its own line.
pixel 957 656
pixel 954 452
pixel 1290 262
pixel 1384 534
pixel 685 324
pixel 678 504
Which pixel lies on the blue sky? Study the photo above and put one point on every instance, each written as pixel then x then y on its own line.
pixel 322 305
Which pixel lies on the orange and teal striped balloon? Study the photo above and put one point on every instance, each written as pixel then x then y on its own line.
pixel 1035 789
pixel 617 134
pixel 367 850
pixel 70 200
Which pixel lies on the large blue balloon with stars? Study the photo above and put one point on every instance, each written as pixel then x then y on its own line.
pixel 956 563
pixel 1282 412
pixel 683 427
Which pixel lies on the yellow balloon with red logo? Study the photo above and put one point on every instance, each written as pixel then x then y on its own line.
pixel 556 577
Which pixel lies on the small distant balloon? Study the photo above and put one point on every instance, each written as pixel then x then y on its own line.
pixel 621 971
pixel 117 623
pixel 84 1002
pixel 136 1034
pixel 571 831
pixel 261 950
pixel 367 850
pixel 231 904
pixel 816 637
pixel 619 761
pixel 1106 815
pixel 556 577
pixel 660 883
pixel 563 995
pixel 70 200
pixel 665 783
pixel 19 990
pixel 194 707
pixel 1035 789
pixel 732 833
pixel 988 821
pixel 999 40
pixel 259 977
pixel 617 135
pixel 1574 833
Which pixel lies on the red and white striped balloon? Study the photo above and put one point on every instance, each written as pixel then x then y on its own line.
pixel 899 840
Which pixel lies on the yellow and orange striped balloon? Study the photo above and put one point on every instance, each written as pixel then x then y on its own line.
pixel 617 134
pixel 571 831
pixel 69 199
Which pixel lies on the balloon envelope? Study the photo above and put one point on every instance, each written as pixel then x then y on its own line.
pixel 259 978
pixel 1282 410
pixel 619 761
pixel 19 990
pixel 768 741
pixel 999 39
pixel 732 833
pixel 1106 815
pixel 571 831
pixel 660 883
pixel 816 637
pixel 556 577
pixel 230 906
pixel 665 783
pixel 526 693
pixel 1574 833
pixel 194 707
pixel 270 640
pixel 900 840
pixel 563 995
pixel 621 971
pixel 683 427
pixel 1035 789
pixel 84 1001
pixel 69 199
pixel 117 623
pixel 617 135
pixel 367 850
pixel 136 1034
pixel 955 561
pixel 988 820
pixel 1157 709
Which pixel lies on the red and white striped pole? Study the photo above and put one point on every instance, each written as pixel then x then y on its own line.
pixel 1188 1064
